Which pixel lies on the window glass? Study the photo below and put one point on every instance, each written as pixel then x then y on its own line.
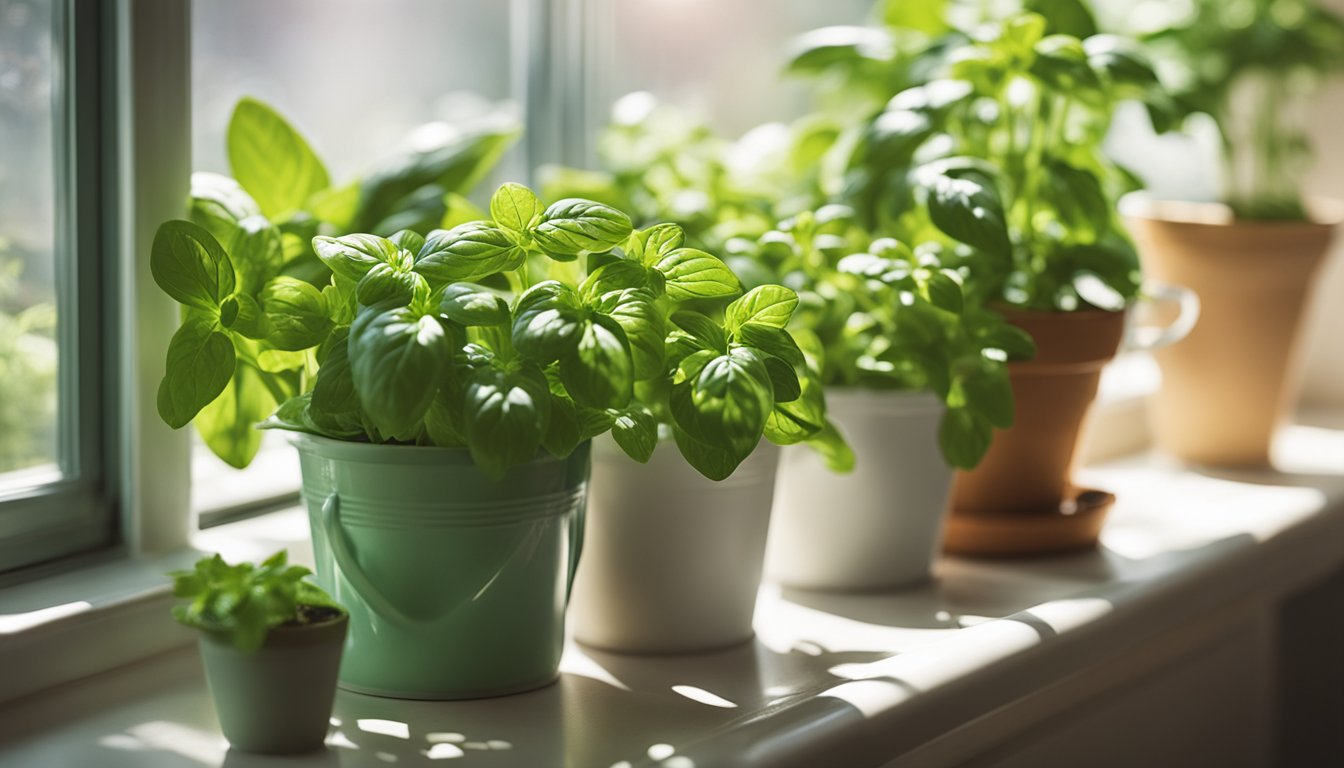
pixel 29 453
pixel 360 81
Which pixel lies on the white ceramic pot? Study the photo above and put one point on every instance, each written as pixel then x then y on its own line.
pixel 878 527
pixel 671 561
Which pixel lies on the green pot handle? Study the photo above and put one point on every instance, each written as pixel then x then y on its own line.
pixel 577 525
pixel 349 567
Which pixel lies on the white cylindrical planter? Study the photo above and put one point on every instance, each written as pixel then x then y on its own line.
pixel 671 561
pixel 878 527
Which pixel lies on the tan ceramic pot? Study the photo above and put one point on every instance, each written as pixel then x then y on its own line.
pixel 1227 387
pixel 1023 482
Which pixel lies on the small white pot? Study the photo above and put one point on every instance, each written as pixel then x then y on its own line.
pixel 879 527
pixel 671 561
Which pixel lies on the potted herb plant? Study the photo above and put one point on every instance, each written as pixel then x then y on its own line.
pixel 1000 158
pixel 1254 257
pixel 271 643
pixel 677 536
pixel 915 376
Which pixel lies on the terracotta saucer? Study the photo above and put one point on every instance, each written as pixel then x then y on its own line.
pixel 1072 526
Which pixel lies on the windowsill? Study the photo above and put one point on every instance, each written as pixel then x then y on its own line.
pixel 875 675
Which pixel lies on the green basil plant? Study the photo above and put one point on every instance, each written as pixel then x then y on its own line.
pixel 880 315
pixel 244 602
pixel 271 304
pixel 1251 66
pixel 1000 159
pixel 492 336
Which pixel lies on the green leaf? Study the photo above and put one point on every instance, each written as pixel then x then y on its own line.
pixel 334 392
pixel 473 305
pixel 599 372
pixel 614 276
pixel 636 431
pixel 467 252
pixel 391 284
pixel 460 211
pixel 694 332
pixel 571 227
pixel 727 404
pixel 199 365
pixel 940 287
pixel 772 341
pixel 564 432
pixel 969 210
pixel 1015 343
pixel 242 314
pixel 190 266
pixel 963 438
pixel 766 304
pixel 297 313
pixel 228 424
pixel 336 205
pixel 713 460
pixel 988 393
pixel 271 160
pixel 692 274
pixel 218 203
pixel 638 315
pixel 515 207
pixel 506 416
pixel 396 357
pixel 548 322
pixel 452 165
pixel 407 240
pixel 783 380
pixel 352 256
pixel 651 245
pixel 833 449
pixel 256 253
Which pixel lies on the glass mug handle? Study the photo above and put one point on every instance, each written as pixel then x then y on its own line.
pixel 1160 298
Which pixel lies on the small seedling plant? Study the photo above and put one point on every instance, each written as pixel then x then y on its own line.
pixel 1000 159
pixel 244 602
pixel 538 328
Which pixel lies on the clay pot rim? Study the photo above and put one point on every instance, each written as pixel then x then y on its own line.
pixel 1325 212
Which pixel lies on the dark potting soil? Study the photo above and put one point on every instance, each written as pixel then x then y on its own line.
pixel 306 615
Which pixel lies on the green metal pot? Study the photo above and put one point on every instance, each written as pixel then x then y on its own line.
pixel 456 583
pixel 276 701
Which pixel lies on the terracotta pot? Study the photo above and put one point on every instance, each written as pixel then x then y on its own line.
pixel 1026 473
pixel 1227 387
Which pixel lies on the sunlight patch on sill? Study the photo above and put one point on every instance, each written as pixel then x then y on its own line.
pixel 704 697
pixel 17 622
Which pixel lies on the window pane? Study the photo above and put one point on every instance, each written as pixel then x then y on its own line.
pixel 28 245
pixel 360 81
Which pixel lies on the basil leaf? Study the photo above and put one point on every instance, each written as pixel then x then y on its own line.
pixel 396 358
pixel 334 392
pixel 297 314
pixel 614 276
pixel 352 256
pixel 271 160
pixel 987 392
pixel 637 314
pixel 564 432
pixel 548 322
pixel 716 461
pixel 963 438
pixel 766 304
pixel 256 252
pixel 783 380
pixel 834 450
pixel 199 366
pixel 772 341
pixel 390 284
pixel 218 203
pixel 241 314
pixel 514 207
pixel 407 240
pixel 636 431
pixel 454 164
pixel 468 304
pixel 692 274
pixel 336 206
pixel 190 266
pixel 1016 343
pixel 506 416
pixel 727 403
pixel 940 287
pixel 227 424
pixel 572 227
pixel 705 333
pixel 656 242
pixel 969 211
pixel 599 371
pixel 467 252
